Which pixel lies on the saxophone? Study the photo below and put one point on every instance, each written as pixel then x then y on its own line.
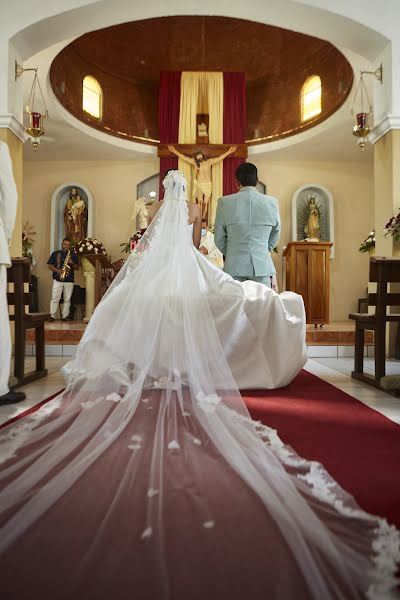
pixel 66 267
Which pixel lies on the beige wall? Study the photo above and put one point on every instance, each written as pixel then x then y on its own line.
pixel 113 185
pixel 352 187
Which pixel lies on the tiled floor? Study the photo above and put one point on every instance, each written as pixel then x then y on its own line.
pixel 61 337
pixel 314 350
pixel 333 370
pixel 38 390
pixel 345 365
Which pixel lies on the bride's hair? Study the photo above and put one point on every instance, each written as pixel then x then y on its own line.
pixel 166 173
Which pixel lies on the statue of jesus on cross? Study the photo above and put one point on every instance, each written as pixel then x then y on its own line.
pixel 202 179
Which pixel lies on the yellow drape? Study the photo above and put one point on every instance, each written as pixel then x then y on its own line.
pixel 190 87
pixel 202 93
pixel 215 89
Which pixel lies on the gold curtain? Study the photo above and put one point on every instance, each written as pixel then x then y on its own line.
pixel 202 93
pixel 190 87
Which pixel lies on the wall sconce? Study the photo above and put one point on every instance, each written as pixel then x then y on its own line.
pixel 361 126
pixel 36 118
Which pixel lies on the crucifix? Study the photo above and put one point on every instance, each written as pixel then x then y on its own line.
pixel 202 156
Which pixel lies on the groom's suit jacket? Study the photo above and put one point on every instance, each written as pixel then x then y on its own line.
pixel 247 228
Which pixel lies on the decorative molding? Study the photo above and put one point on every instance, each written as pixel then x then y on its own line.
pixel 11 123
pixel 388 123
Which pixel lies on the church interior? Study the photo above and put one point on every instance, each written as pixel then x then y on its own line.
pixel 98 99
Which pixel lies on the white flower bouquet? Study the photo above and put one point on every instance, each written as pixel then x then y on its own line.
pixel 369 243
pixel 392 228
pixel 89 246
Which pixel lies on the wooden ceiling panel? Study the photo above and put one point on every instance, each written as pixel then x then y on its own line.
pixel 127 60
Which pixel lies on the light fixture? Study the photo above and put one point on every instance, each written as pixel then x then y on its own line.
pixel 36 118
pixel 361 126
pixel 152 196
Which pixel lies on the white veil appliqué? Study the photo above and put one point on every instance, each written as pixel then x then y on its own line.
pixel 153 445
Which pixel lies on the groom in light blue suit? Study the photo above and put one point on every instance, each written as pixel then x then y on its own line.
pixel 247 228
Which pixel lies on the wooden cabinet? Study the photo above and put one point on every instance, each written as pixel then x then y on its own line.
pixel 307 274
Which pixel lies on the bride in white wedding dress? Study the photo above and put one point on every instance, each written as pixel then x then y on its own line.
pixel 147 478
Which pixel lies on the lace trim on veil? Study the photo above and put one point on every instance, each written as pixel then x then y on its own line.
pixel 386 545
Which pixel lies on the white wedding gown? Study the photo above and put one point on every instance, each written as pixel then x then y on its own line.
pixel 147 478
pixel 262 333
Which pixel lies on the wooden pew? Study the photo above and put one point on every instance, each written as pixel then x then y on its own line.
pixel 383 271
pixel 19 274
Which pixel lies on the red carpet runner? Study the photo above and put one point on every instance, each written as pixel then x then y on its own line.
pixel 359 447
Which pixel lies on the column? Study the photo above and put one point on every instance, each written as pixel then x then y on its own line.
pixel 90 289
pixel 15 147
pixel 11 129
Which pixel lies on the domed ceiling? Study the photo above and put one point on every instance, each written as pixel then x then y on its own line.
pixel 127 59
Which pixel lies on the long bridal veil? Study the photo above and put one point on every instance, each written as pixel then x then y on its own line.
pixel 147 474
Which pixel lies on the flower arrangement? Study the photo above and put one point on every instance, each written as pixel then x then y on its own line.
pixel 133 240
pixel 89 246
pixel 28 233
pixel 369 243
pixel 392 228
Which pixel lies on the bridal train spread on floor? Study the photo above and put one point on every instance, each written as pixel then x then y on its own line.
pixel 147 477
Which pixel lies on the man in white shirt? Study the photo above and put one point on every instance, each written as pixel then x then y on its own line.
pixel 208 247
pixel 8 212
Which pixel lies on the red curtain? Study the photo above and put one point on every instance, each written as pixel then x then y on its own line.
pixel 234 124
pixel 169 100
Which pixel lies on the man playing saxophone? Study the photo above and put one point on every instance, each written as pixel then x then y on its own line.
pixel 62 263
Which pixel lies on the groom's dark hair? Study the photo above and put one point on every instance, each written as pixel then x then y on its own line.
pixel 246 174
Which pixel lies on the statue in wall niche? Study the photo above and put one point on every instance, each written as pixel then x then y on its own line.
pixel 313 215
pixel 140 213
pixel 75 217
pixel 312 227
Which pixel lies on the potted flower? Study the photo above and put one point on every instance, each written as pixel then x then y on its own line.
pixel 133 240
pixel 89 246
pixel 392 228
pixel 28 233
pixel 368 245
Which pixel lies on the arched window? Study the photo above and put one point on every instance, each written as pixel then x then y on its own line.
pixel 311 98
pixel 92 97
